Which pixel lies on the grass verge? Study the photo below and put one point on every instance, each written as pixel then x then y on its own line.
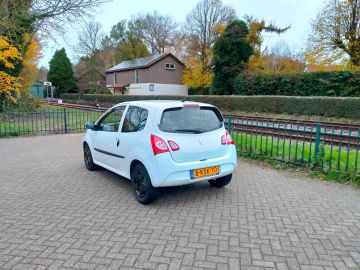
pixel 331 163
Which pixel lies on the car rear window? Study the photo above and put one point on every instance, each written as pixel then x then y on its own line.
pixel 193 120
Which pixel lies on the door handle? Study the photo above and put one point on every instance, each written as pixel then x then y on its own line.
pixel 117 142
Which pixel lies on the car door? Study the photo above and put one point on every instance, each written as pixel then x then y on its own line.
pixel 132 133
pixel 106 139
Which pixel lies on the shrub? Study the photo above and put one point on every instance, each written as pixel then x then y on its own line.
pixel 199 91
pixel 338 83
pixel 323 106
pixel 25 103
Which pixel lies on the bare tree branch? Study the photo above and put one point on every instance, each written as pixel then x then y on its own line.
pixel 202 22
pixel 45 16
pixel 156 30
pixel 337 29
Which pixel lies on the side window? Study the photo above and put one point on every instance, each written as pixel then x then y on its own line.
pixel 111 121
pixel 135 119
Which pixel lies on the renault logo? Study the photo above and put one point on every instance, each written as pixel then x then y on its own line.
pixel 201 142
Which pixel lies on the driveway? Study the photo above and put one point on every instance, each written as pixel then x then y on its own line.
pixel 56 214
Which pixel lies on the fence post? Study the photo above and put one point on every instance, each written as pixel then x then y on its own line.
pixel 317 140
pixel 230 124
pixel 65 121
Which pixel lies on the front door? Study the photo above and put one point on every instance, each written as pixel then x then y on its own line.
pixel 106 139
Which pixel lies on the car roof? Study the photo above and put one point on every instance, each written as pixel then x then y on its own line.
pixel 161 103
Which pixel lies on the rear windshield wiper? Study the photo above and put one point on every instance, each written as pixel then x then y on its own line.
pixel 194 131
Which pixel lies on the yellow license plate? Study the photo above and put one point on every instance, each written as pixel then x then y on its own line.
pixel 199 173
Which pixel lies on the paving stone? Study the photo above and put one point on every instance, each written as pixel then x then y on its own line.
pixel 57 215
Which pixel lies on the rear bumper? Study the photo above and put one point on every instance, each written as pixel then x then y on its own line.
pixel 165 172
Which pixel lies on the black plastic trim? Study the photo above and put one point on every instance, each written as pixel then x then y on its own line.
pixel 108 153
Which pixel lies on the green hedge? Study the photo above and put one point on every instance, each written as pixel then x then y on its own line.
pixel 321 106
pixel 340 83
pixel 199 91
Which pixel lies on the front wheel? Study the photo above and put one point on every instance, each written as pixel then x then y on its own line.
pixel 89 163
pixel 144 191
pixel 221 181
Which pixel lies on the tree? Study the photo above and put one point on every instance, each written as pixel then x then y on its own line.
pixel 194 75
pixel 89 46
pixel 127 42
pixel 16 21
pixel 38 19
pixel 42 74
pixel 316 60
pixel 156 30
pixel 43 16
pixel 118 34
pixel 203 24
pixel 132 48
pixel 31 57
pixel 255 39
pixel 231 53
pixel 336 33
pixel 61 73
pixel 9 59
pixel 282 60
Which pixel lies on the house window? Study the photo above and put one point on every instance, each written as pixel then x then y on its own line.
pixel 137 76
pixel 170 66
pixel 115 78
pixel 151 87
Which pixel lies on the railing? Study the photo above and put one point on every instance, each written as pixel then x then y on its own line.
pixel 323 146
pixel 47 121
pixel 329 147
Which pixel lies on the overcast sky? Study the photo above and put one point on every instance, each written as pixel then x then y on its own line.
pixel 297 13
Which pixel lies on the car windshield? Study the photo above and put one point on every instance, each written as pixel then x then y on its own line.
pixel 193 120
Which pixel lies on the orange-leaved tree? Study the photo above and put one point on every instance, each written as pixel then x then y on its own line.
pixel 31 57
pixel 10 58
pixel 317 59
pixel 195 74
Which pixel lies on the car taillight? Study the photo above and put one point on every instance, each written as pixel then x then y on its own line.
pixel 226 139
pixel 158 145
pixel 173 145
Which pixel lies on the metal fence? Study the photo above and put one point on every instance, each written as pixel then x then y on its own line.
pixel 48 121
pixel 324 146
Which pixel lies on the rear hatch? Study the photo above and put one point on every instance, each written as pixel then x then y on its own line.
pixel 196 130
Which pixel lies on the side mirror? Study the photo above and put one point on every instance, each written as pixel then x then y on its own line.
pixel 90 125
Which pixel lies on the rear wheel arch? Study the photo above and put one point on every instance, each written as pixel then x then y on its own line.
pixel 133 164
pixel 143 189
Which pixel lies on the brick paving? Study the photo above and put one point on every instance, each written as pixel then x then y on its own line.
pixel 54 214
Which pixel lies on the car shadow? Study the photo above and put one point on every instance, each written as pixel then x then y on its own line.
pixel 169 195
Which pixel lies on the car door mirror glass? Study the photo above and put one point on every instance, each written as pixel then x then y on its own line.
pixel 90 125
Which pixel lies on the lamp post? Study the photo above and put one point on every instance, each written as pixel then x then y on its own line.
pixel 47 84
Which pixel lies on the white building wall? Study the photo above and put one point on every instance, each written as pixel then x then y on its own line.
pixel 157 89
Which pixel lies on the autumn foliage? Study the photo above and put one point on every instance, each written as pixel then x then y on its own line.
pixel 9 58
pixel 195 74
pixel 30 60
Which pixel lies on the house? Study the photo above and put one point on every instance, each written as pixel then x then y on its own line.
pixel 88 80
pixel 37 89
pixel 158 74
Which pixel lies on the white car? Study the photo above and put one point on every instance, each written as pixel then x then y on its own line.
pixel 161 143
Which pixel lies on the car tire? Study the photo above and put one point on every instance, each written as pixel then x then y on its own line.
pixel 221 181
pixel 89 163
pixel 143 190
